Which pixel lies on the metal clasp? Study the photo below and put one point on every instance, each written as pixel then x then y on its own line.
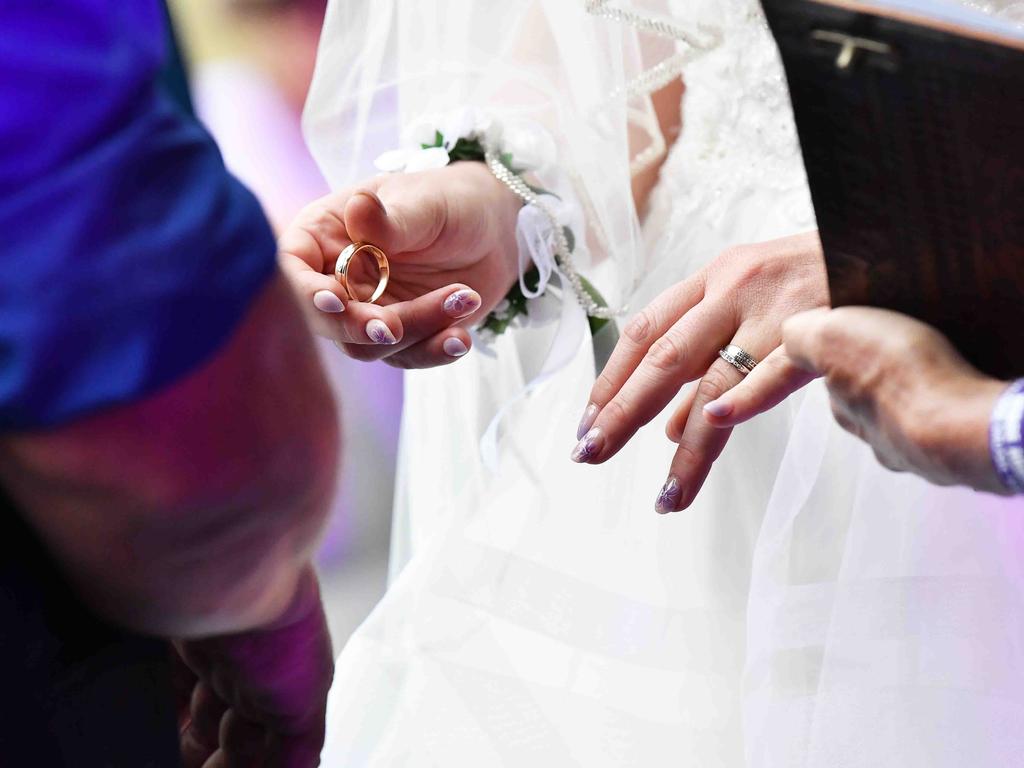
pixel 850 46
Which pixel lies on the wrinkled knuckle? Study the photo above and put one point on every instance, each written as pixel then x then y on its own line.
pixel 714 384
pixel 603 389
pixel 616 413
pixel 666 354
pixel 689 456
pixel 638 330
pixel 752 271
pixel 734 254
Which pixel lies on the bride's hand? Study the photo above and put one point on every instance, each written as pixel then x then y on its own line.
pixel 450 238
pixel 742 298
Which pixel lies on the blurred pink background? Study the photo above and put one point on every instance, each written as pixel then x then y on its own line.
pixel 250 63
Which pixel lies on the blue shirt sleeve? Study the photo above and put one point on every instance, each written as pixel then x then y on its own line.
pixel 128 254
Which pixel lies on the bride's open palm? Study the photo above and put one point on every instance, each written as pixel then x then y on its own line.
pixel 449 235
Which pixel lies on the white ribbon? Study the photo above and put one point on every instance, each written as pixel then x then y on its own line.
pixel 537 244
pixel 536 241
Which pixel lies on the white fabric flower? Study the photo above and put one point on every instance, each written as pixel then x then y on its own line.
pixel 465 123
pixel 427 159
pixel 420 131
pixel 393 161
pixel 412 160
pixel 531 147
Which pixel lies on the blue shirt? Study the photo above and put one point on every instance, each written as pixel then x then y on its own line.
pixel 128 254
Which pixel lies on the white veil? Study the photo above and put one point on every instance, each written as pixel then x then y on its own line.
pixel 886 616
pixel 582 68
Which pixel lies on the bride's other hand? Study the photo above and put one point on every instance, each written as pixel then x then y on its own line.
pixel 742 298
pixel 450 239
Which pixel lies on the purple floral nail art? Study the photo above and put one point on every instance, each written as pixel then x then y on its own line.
pixel 589 417
pixel 379 333
pixel 671 496
pixel 589 447
pixel 462 304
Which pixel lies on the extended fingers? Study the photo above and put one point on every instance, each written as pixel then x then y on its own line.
pixel 444 348
pixel 422 320
pixel 700 444
pixel 334 316
pixel 642 333
pixel 678 357
pixel 771 382
pixel 330 310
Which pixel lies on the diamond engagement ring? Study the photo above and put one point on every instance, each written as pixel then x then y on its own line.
pixel 345 261
pixel 738 359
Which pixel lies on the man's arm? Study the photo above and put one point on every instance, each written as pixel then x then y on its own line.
pixel 195 511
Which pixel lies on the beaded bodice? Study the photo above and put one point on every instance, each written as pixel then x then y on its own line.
pixel 739 141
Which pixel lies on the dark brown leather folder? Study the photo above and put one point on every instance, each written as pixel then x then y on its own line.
pixel 912 129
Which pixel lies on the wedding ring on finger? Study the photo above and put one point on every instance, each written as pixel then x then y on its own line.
pixel 738 358
pixel 345 261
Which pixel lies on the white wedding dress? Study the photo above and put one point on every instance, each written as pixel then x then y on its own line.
pixel 811 609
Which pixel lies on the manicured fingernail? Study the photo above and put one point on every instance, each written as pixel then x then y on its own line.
pixel 377 201
pixel 719 409
pixel 588 447
pixel 589 417
pixel 462 304
pixel 379 332
pixel 671 496
pixel 455 348
pixel 326 301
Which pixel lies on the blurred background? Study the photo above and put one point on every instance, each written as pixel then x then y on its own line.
pixel 250 63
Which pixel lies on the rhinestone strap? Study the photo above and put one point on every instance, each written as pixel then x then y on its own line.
pixel 663 73
pixel 563 253
pixel 1006 437
pixel 603 8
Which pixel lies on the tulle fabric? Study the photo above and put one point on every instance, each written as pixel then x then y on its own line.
pixel 533 60
pixel 811 610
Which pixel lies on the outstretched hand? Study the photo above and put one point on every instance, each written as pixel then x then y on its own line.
pixel 742 298
pixel 450 238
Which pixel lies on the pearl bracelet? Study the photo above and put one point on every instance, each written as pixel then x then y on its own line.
pixel 470 135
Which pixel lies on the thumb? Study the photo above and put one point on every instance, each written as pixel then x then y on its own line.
pixel 399 226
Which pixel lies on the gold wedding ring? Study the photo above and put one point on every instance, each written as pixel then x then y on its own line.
pixel 345 261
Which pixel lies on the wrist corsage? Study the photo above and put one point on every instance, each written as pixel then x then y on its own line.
pixel 547 227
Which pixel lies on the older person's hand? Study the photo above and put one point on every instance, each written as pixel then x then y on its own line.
pixel 894 382
pixel 259 698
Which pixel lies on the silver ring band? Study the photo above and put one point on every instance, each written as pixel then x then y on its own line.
pixel 739 359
